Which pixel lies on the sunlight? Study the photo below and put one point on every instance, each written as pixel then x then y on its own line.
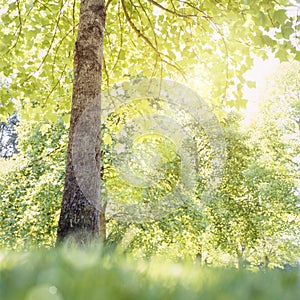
pixel 259 73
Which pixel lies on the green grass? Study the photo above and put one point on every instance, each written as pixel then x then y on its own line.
pixel 69 274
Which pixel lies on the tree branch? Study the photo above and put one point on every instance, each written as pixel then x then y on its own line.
pixel 140 34
pixel 173 12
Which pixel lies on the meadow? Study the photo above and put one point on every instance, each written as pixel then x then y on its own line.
pixel 74 274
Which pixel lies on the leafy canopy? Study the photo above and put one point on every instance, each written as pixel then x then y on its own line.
pixel 213 40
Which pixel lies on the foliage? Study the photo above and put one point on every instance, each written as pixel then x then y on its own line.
pixel 180 39
pixel 249 220
pixel 278 153
pixel 252 217
pixel 256 205
pixel 30 194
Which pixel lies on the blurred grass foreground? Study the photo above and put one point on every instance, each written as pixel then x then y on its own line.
pixel 71 274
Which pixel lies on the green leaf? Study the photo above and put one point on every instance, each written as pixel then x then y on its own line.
pixel 268 41
pixel 297 57
pixel 66 118
pixel 282 55
pixel 279 16
pixel 122 55
pixel 251 84
pixel 107 139
pixel 286 31
pixel 241 103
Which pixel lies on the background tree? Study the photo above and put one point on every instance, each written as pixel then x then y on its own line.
pixel 280 152
pixel 31 186
pixel 254 220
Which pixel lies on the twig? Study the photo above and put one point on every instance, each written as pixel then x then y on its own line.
pixel 140 34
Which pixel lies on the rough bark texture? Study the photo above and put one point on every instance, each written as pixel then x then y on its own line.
pixel 79 218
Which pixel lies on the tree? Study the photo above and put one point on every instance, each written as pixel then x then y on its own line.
pixel 79 215
pixel 31 186
pixel 254 216
pixel 280 156
pixel 222 36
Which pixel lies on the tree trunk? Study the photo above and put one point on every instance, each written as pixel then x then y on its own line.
pixel 266 262
pixel 240 256
pixel 79 217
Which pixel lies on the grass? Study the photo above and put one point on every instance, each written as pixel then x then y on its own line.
pixel 72 274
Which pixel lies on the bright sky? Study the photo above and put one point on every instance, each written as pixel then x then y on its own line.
pixel 260 72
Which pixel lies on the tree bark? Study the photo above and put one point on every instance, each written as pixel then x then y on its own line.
pixel 79 217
